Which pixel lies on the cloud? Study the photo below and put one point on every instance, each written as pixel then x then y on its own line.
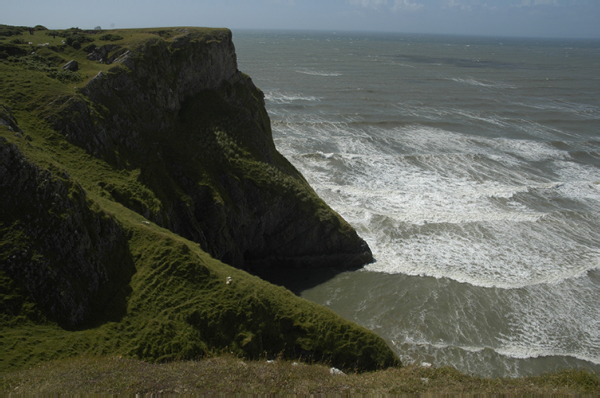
pixel 540 2
pixel 394 5
pixel 406 5
pixel 369 3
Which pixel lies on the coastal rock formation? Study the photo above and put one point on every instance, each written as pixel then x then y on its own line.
pixel 118 199
pixel 182 112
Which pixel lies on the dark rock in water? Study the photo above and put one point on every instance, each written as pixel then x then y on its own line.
pixel 72 65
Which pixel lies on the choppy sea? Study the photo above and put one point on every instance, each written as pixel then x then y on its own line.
pixel 471 166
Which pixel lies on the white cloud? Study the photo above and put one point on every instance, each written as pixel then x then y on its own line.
pixel 369 3
pixel 394 5
pixel 528 3
pixel 402 5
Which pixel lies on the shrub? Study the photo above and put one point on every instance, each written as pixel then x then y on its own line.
pixel 70 32
pixel 83 39
pixel 111 37
pixel 77 40
pixel 11 30
pixel 66 76
pixel 12 50
pixel 89 48
pixel 37 62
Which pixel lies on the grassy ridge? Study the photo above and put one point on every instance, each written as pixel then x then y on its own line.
pixel 230 375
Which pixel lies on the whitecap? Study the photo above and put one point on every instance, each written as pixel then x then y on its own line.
pixel 318 73
pixel 473 82
pixel 279 97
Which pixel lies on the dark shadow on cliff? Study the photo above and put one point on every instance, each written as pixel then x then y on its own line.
pixel 298 280
pixel 109 303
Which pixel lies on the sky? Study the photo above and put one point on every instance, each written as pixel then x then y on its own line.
pixel 523 18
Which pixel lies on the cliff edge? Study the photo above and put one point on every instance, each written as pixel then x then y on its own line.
pixel 197 128
pixel 134 166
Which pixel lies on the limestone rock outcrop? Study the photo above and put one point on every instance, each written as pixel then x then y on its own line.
pixel 183 112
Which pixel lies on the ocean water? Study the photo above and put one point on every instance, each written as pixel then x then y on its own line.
pixel 471 166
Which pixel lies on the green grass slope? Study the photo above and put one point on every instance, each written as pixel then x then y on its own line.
pixel 83 271
pixel 181 307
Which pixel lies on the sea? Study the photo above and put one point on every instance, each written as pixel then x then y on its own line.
pixel 471 166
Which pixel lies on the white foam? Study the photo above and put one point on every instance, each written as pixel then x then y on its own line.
pixel 412 351
pixel 472 209
pixel 531 150
pixel 503 251
pixel 279 97
pixel 562 321
pixel 312 72
pixel 430 215
pixel 495 120
pixel 580 110
pixel 473 82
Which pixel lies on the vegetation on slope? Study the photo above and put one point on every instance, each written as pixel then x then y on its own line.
pixel 84 271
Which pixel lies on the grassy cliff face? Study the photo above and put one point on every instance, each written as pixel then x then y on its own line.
pixel 125 182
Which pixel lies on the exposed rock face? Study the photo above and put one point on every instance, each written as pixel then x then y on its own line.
pixel 184 113
pixel 72 65
pixel 74 259
pixel 101 54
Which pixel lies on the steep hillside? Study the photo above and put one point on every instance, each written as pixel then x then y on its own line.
pixel 128 180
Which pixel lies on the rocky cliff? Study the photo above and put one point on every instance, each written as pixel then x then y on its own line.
pixel 70 257
pixel 119 198
pixel 183 112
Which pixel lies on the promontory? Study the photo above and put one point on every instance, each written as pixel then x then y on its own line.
pixel 140 190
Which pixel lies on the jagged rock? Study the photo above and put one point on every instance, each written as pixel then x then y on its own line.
pixel 95 55
pixel 72 65
pixel 103 54
pixel 7 119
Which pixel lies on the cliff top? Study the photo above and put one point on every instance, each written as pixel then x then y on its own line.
pixel 50 50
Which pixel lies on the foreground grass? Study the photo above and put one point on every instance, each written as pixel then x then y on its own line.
pixel 229 374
